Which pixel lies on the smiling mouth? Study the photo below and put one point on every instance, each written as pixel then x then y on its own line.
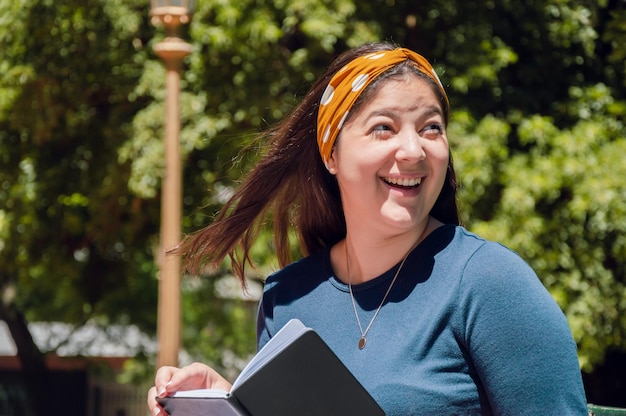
pixel 403 182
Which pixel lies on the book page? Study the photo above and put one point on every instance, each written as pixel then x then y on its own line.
pixel 277 343
pixel 202 393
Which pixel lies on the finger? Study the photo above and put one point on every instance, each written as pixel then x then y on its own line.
pixel 202 376
pixel 169 380
pixel 194 376
pixel 163 378
pixel 154 408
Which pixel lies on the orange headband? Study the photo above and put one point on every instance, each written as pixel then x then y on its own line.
pixel 348 83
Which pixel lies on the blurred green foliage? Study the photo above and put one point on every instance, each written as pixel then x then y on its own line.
pixel 538 91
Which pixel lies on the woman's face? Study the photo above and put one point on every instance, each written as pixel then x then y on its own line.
pixel 391 157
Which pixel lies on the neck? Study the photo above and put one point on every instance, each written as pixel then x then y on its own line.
pixel 370 257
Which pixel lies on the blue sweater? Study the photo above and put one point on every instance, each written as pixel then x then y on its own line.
pixel 468 329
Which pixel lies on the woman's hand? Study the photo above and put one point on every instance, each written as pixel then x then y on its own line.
pixel 169 380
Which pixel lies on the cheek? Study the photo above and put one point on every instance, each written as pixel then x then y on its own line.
pixel 356 169
pixel 440 152
pixel 439 159
pixel 443 157
pixel 357 159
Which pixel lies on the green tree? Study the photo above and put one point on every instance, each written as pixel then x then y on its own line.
pixel 73 240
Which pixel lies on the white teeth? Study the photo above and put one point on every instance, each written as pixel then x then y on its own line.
pixel 404 181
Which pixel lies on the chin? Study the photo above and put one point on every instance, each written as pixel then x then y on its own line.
pixel 400 220
pixel 402 216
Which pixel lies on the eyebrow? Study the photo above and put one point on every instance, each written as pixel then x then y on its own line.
pixel 426 111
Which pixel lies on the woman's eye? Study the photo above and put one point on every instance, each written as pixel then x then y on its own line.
pixel 434 128
pixel 381 130
pixel 381 127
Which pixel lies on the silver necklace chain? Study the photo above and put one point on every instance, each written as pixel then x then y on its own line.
pixel 363 339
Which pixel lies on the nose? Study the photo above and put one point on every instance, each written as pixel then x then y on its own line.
pixel 410 147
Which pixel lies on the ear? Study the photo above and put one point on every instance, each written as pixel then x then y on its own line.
pixel 331 165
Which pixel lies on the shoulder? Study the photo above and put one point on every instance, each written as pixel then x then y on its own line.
pixel 498 287
pixel 308 267
pixel 493 277
pixel 475 243
pixel 469 251
pixel 297 279
pixel 493 260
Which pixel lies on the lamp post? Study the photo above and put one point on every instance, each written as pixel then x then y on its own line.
pixel 172 50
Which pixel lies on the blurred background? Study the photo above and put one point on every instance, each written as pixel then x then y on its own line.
pixel 538 95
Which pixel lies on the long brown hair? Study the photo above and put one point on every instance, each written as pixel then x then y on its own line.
pixel 291 185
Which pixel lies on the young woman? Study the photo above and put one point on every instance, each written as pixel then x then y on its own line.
pixel 429 317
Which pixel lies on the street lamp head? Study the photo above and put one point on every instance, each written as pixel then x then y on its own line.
pixel 171 13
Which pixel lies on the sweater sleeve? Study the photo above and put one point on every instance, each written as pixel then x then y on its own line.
pixel 518 338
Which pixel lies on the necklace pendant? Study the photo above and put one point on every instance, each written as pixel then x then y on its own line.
pixel 362 342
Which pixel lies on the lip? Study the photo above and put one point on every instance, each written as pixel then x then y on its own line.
pixel 404 182
pixel 405 185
